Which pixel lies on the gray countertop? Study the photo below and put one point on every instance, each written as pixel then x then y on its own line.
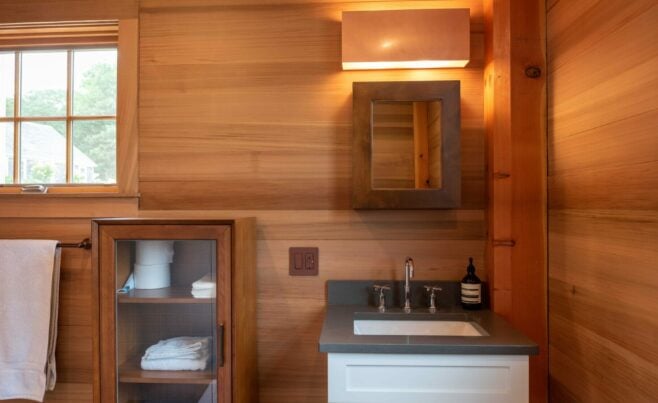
pixel 338 332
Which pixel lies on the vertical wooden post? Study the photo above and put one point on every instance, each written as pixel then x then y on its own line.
pixel 515 123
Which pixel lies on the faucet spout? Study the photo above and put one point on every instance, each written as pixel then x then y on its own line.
pixel 408 274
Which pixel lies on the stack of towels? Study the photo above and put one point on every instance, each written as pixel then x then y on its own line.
pixel 178 354
pixel 204 287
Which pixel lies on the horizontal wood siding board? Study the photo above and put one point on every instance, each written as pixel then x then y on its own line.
pixel 603 225
pixel 296 154
pixel 349 225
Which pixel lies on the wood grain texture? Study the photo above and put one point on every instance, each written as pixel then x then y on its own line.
pixel 262 81
pixel 392 146
pixel 244 295
pixel 127 105
pixel 603 176
pixel 244 111
pixel 16 206
pixel 261 122
pixel 15 11
pixel 515 120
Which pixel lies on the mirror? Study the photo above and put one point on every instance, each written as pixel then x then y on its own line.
pixel 406 145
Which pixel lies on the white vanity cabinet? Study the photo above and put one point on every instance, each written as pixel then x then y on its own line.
pixel 411 378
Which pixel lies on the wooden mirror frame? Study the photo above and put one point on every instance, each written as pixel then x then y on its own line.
pixel 364 196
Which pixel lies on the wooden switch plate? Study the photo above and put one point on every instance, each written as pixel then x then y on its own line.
pixel 303 261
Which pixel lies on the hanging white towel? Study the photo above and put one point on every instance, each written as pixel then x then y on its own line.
pixel 29 289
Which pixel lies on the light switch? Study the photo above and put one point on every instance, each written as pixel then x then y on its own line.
pixel 303 261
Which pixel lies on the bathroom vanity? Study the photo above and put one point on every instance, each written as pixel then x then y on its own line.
pixel 191 282
pixel 446 356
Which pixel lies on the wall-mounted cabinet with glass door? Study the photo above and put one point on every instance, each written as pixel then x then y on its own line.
pixel 172 326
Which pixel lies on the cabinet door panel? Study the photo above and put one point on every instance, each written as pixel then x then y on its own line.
pixel 161 338
pixel 427 378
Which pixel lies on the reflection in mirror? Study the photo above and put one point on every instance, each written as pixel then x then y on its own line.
pixel 406 144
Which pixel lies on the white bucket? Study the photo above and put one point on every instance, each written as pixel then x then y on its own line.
pixel 154 252
pixel 150 276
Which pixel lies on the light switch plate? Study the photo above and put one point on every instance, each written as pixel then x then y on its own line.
pixel 304 261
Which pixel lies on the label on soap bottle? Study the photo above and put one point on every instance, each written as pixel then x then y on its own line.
pixel 471 293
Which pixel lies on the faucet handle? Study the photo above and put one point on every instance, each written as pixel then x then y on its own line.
pixel 382 298
pixel 432 289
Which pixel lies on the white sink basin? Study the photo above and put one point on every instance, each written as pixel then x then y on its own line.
pixel 414 328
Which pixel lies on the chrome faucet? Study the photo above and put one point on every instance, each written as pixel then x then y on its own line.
pixel 382 298
pixel 431 290
pixel 408 274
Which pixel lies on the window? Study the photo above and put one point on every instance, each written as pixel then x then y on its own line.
pixel 59 97
pixel 59 116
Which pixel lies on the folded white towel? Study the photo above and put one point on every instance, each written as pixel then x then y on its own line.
pixel 208 293
pixel 204 283
pixel 176 364
pixel 165 355
pixel 178 347
pixel 29 286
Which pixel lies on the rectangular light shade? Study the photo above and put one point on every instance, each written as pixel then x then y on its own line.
pixel 406 39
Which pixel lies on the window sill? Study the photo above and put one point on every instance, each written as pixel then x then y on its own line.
pixel 89 195
pixel 68 192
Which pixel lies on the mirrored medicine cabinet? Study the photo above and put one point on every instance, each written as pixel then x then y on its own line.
pixel 406 145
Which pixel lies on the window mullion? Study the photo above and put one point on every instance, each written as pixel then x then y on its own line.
pixel 17 111
pixel 69 113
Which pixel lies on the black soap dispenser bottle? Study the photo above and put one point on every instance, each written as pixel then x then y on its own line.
pixel 471 288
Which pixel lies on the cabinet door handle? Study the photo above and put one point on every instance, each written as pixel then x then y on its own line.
pixel 220 351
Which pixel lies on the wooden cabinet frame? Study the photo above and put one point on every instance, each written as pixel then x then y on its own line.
pixel 235 300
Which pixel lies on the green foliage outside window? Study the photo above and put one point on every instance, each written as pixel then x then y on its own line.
pixel 97 138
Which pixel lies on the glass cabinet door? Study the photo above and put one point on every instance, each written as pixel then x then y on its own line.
pixel 166 337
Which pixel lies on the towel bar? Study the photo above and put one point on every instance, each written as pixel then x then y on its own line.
pixel 84 244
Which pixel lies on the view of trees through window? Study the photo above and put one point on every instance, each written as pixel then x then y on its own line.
pixel 46 85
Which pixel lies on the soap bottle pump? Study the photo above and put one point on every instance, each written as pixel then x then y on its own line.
pixel 471 288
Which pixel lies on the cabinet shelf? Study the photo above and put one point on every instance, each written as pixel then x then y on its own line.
pixel 131 372
pixel 171 295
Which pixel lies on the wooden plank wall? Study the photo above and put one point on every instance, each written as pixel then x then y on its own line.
pixel 245 107
pixel 603 189
pixel 244 111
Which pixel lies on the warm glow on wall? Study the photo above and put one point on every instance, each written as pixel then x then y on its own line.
pixel 406 39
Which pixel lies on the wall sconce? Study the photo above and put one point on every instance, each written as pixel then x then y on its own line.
pixel 406 39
